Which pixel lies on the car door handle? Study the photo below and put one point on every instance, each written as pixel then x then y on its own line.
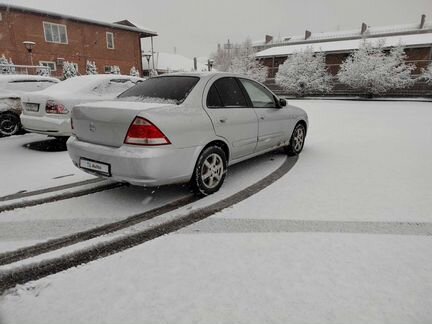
pixel 223 119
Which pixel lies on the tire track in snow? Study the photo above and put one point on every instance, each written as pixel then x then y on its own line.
pixel 61 196
pixel 21 275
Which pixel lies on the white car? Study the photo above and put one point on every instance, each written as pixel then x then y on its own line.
pixel 12 88
pixel 48 112
pixel 185 127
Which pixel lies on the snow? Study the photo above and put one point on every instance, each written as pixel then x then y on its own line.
pixel 24 169
pixel 363 163
pixel 242 278
pixel 348 45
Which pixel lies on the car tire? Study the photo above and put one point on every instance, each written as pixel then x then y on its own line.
pixel 10 124
pixel 297 140
pixel 210 170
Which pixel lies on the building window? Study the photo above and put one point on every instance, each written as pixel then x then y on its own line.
pixel 108 69
pixel 51 65
pixel 55 33
pixel 110 40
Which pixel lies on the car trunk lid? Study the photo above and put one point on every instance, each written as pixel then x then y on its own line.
pixel 107 122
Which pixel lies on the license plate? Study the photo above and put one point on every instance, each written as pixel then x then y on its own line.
pixel 98 167
pixel 32 107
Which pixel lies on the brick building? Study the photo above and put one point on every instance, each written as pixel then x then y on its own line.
pixel 337 46
pixel 60 38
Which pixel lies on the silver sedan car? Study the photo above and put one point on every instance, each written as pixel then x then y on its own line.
pixel 180 128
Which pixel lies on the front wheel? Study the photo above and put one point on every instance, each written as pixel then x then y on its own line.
pixel 10 124
pixel 209 172
pixel 297 140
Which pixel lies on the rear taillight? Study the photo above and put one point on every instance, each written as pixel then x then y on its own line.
pixel 53 107
pixel 143 132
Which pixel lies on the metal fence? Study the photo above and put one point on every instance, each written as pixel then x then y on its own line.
pixel 25 69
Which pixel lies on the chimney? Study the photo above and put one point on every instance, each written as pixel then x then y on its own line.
pixel 268 39
pixel 307 34
pixel 364 28
pixel 423 21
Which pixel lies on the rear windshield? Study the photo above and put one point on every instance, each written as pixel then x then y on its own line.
pixel 170 89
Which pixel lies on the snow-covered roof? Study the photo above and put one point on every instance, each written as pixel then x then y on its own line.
pixel 144 31
pixel 172 62
pixel 372 31
pixel 349 45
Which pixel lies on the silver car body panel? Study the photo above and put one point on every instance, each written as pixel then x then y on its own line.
pixel 100 129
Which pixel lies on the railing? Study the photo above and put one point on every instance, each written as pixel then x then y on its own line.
pixel 24 69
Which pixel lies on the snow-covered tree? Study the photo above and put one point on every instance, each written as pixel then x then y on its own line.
pixel 304 72
pixel 240 59
pixel 115 69
pixel 91 67
pixel 427 74
pixel 134 72
pixel 42 71
pixel 69 70
pixel 376 71
pixel 6 67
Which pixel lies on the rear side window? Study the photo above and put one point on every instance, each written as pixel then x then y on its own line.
pixel 169 88
pixel 213 99
pixel 230 94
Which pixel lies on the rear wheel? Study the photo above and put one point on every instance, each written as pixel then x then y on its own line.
pixel 10 124
pixel 210 170
pixel 297 140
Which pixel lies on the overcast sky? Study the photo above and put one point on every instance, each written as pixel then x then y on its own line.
pixel 195 27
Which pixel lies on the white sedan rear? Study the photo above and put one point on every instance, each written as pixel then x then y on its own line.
pixel 48 112
pixel 183 128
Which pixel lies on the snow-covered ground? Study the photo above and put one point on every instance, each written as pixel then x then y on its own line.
pixel 327 243
pixel 25 169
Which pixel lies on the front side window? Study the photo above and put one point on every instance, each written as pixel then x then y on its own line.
pixel 55 33
pixel 230 93
pixel 110 40
pixel 260 96
pixel 166 89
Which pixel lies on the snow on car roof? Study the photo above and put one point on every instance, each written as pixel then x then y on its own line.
pixel 86 82
pixel 348 45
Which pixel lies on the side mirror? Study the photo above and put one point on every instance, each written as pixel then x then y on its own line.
pixel 282 102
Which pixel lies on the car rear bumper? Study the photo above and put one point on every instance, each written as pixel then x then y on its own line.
pixel 138 165
pixel 54 126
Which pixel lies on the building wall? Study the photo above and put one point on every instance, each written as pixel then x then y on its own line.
pixel 85 42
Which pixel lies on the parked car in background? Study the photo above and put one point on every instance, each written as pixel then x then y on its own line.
pixel 12 87
pixel 48 111
pixel 183 127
